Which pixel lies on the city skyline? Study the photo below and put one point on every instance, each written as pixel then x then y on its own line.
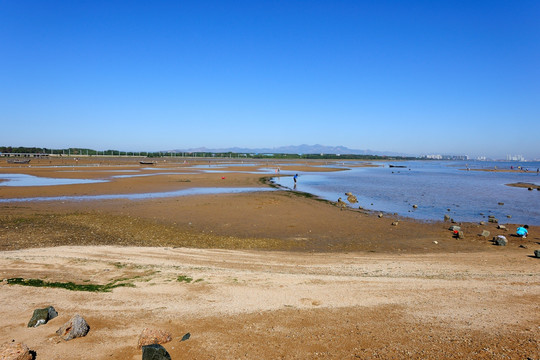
pixel 416 78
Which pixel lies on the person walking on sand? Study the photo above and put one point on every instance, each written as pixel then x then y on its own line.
pixel 523 231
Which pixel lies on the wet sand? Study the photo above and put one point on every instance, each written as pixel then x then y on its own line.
pixel 283 275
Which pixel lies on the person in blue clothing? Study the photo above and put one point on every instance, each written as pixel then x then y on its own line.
pixel 295 177
pixel 523 231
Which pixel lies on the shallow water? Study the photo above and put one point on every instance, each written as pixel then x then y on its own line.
pixel 434 187
pixel 141 196
pixel 30 180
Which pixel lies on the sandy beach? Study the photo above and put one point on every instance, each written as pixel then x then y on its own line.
pixel 255 275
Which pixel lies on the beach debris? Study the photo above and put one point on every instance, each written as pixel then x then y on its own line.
pixel 351 198
pixel 42 316
pixel 155 352
pixel 501 227
pixel 395 223
pixel 380 215
pixel 415 206
pixel 153 336
pixel 15 351
pixel 185 337
pixel 485 233
pixel 446 217
pixel 435 242
pixel 74 328
pixel 342 204
pixel 500 240
pixel 537 253
pixel 454 228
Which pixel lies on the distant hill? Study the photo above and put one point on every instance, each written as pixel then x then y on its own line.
pixel 296 149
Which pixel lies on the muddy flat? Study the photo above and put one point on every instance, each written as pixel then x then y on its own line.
pixel 258 275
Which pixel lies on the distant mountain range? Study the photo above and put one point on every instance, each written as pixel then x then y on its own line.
pixel 296 149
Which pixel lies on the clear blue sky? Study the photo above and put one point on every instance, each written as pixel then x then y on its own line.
pixel 417 77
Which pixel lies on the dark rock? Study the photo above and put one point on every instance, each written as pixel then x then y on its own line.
pixel 509 216
pixel 500 240
pixel 530 189
pixel 42 316
pixel 74 328
pixel 155 352
pixel 185 337
pixel 493 220
pixel 537 253
pixel 415 206
pixel 501 203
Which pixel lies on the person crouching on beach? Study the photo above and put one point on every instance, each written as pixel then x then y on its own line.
pixel 523 231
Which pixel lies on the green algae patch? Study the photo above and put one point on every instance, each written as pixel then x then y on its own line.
pixel 69 285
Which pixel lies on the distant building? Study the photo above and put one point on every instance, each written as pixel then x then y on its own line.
pixel 446 157
pixel 515 158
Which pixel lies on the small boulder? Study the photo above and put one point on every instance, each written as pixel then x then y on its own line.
pixel 155 352
pixel 501 227
pixel 485 233
pixel 482 223
pixel 42 316
pixel 509 216
pixel 537 253
pixel 351 198
pixel 395 223
pixel 500 240
pixel 15 351
pixel 501 203
pixel 530 189
pixel 446 217
pixel 380 215
pixel 153 336
pixel 454 228
pixel 415 206
pixel 74 328
pixel 493 220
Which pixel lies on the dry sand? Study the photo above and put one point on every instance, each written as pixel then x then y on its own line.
pixel 274 275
